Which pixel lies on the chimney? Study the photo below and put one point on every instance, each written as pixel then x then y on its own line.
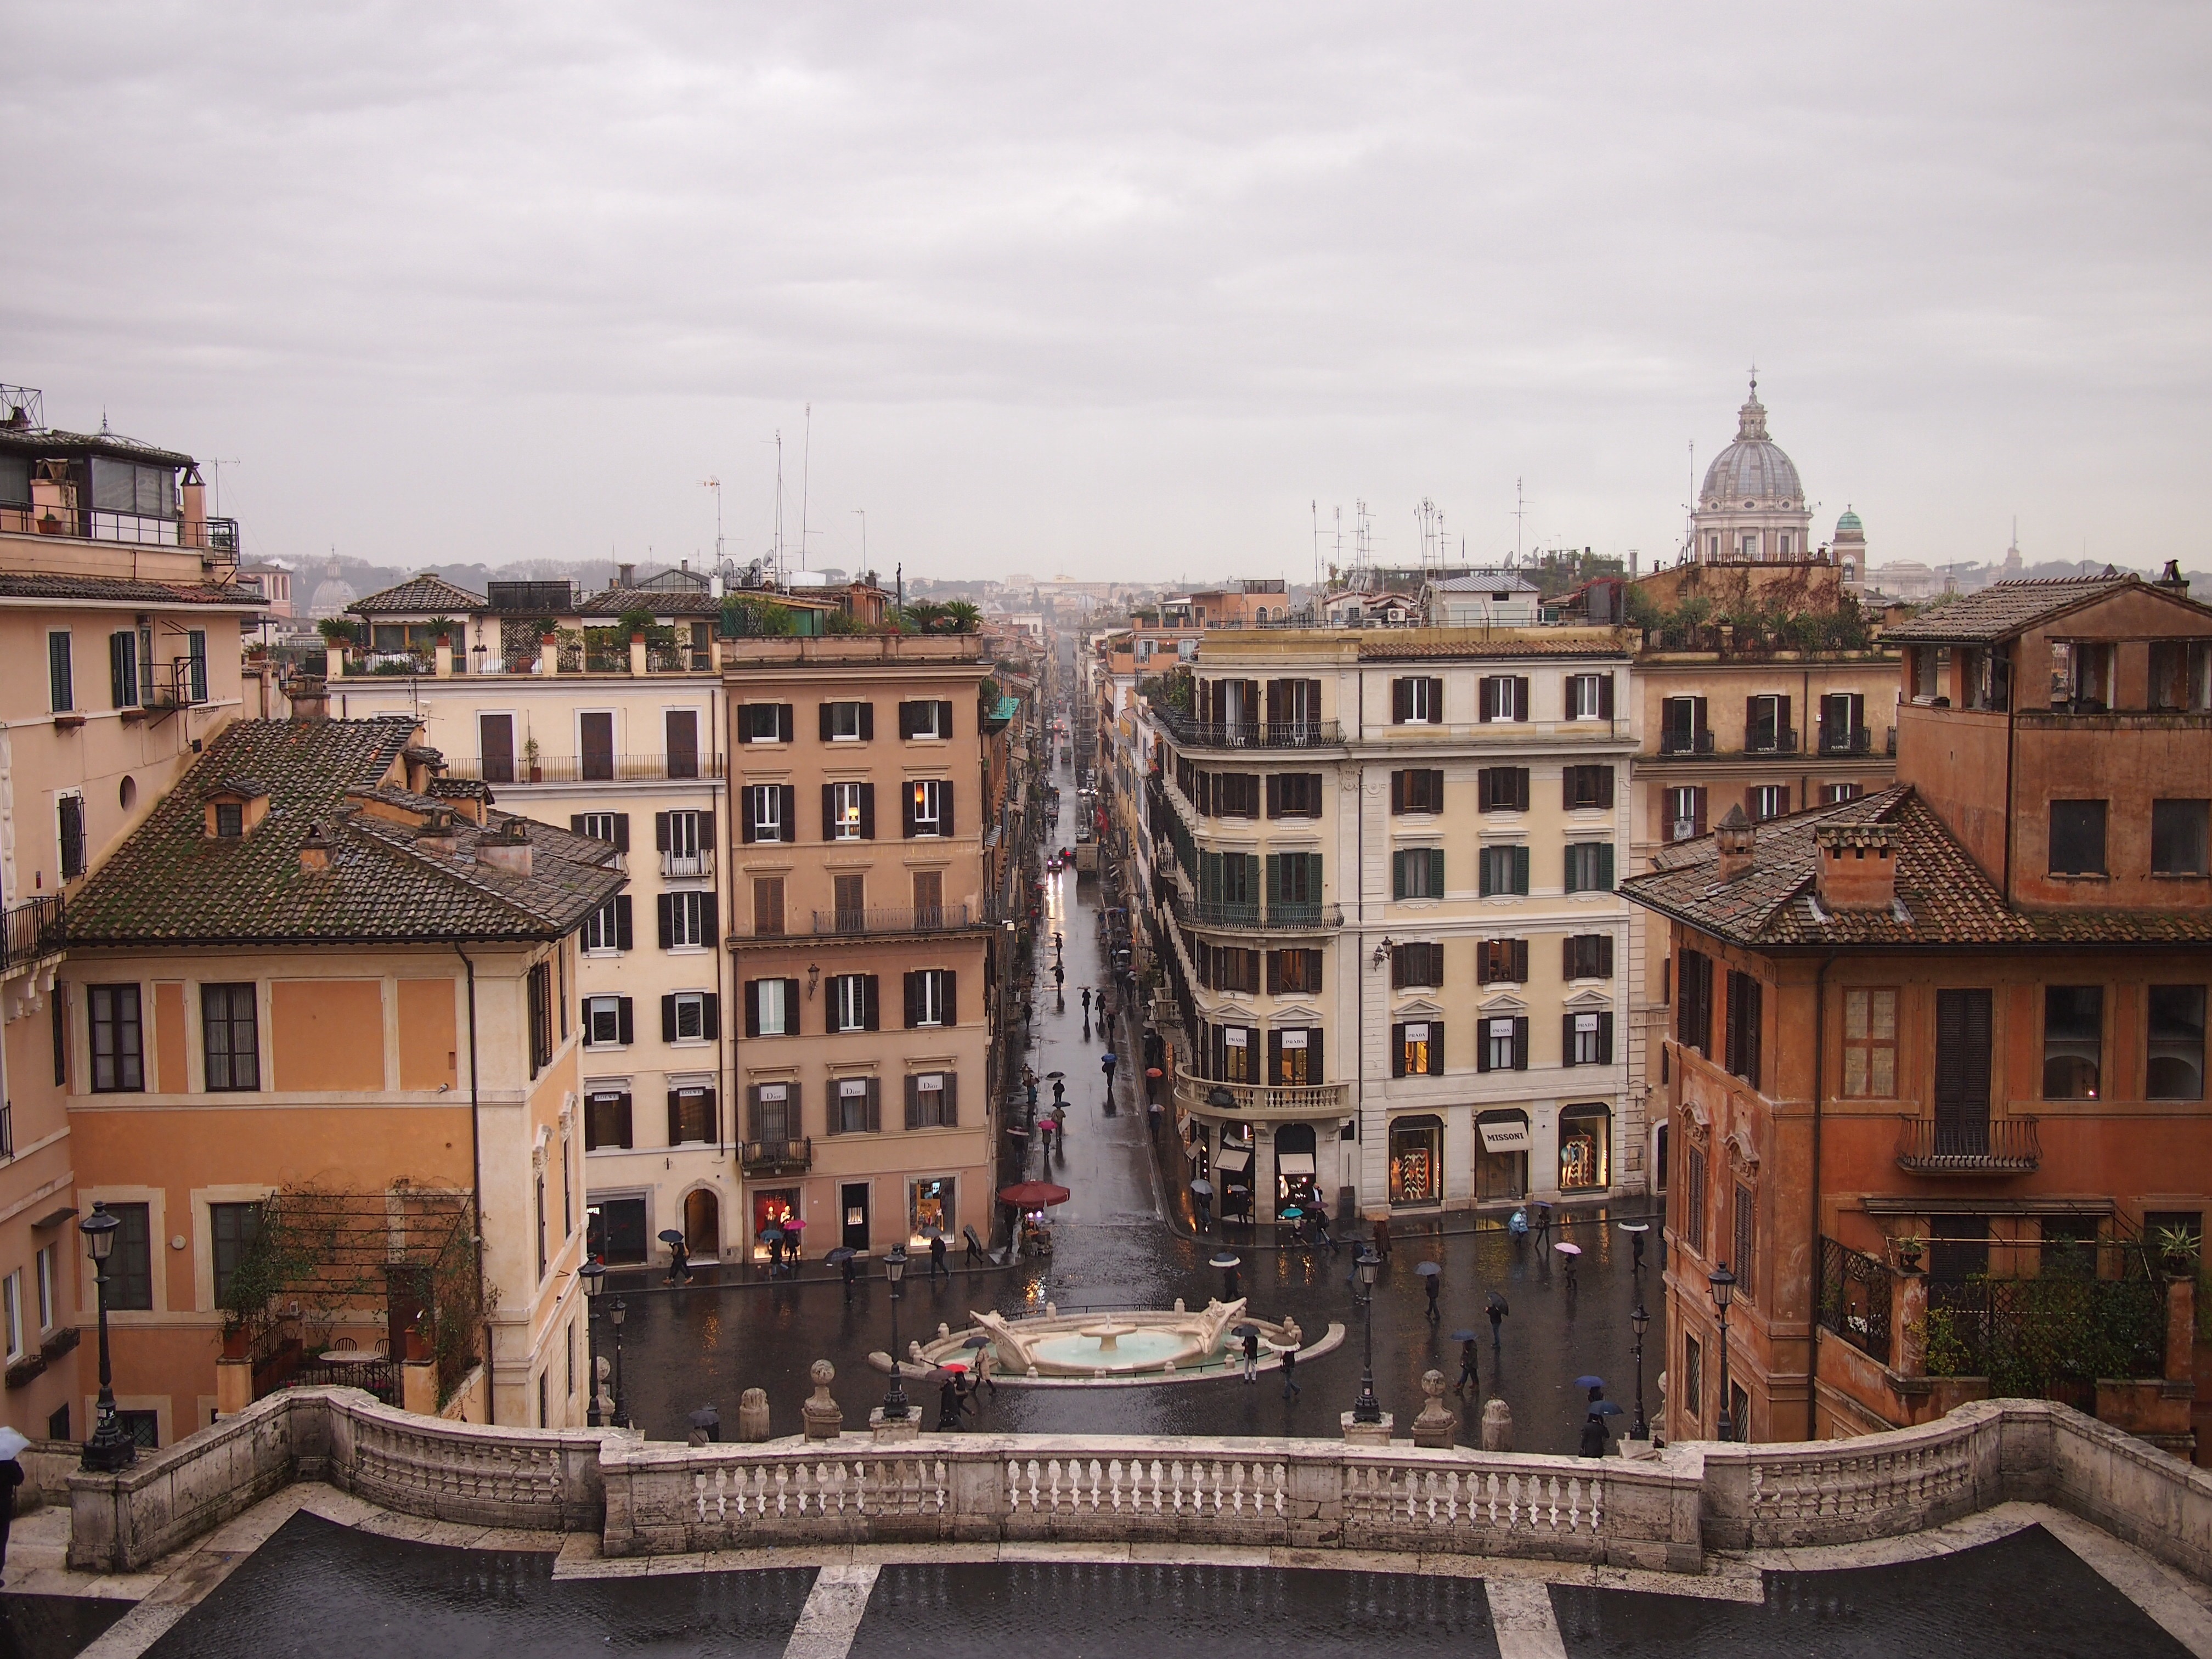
pixel 1734 841
pixel 506 848
pixel 439 834
pixel 310 700
pixel 314 852
pixel 2173 580
pixel 625 576
pixel 1858 866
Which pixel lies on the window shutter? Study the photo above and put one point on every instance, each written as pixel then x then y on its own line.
pixel 1436 857
pixel 790 831
pixel 1605 1039
pixel 1399 963
pixel 1752 1029
pixel 867 722
pixel 1732 1027
pixel 710 1015
pixel 1397 791
pixel 1605 955
pixel 1274 1056
pixel 1485 869
pixel 791 1007
pixel 660 832
pixel 625 1021
pixel 752 1027
pixel 1397 873
pixel 1567 1039
pixel 867 812
pixel 665 910
pixel 1520 1042
pixel 1481 1045
pixel 825 722
pixel 1397 1051
pixel 576 823
pixel 945 719
pixel 1436 1047
pixel 1697 814
pixel 1520 869
pixel 1750 716
pixel 1274 702
pixel 906 811
pixel 952 996
pixel 1275 973
pixel 1605 865
pixel 668 1018
pixel 907 713
pixel 913 1102
pixel 1274 796
pixel 1521 961
pixel 747 801
pixel 1604 787
pixel 913 1000
pixel 949 1108
pixel 1402 701
pixel 945 808
pixel 675 1118
pixel 871 1014
pixel 829 812
pixel 752 1104
pixel 833 1108
pixel 1781 718
pixel 1520 696
pixel 875 1099
pixel 623 940
pixel 1520 788
pixel 1315 1074
pixel 1605 696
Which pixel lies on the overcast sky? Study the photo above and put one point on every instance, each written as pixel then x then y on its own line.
pixel 1120 289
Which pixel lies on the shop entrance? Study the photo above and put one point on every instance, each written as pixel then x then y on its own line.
pixel 702 1225
pixel 1501 1161
pixel 772 1206
pixel 1294 1185
pixel 853 1203
pixel 1417 1160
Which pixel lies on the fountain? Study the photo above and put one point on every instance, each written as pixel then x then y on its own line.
pixel 1126 1346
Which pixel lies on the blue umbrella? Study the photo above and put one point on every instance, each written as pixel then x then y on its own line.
pixel 1590 1382
pixel 1293 1214
pixel 1605 1408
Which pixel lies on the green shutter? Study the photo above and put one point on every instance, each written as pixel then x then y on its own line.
pixel 1605 865
pixel 1275 877
pixel 1521 870
pixel 1436 857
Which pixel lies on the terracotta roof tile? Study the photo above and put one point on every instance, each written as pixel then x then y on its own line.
pixel 2001 610
pixel 426 595
pixel 124 590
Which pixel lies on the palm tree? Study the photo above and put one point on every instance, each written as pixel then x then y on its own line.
pixel 962 617
pixel 927 615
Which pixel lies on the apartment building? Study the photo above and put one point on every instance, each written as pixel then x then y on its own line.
pixel 119 613
pixel 1382 865
pixel 617 738
pixel 1936 1073
pixel 861 936
pixel 326 989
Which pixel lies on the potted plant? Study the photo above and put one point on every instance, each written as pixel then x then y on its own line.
pixel 2177 1249
pixel 418 1342
pixel 1909 1249
pixel 530 759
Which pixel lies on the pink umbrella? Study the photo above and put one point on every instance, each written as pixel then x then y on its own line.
pixel 1562 1247
pixel 793 1225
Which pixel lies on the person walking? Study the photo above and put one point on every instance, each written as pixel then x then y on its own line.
pixel 1251 1354
pixel 1497 1312
pixel 1321 1234
pixel 1086 1004
pixel 975 1249
pixel 1107 1062
pixel 1205 1212
pixel 1470 1378
pixel 937 1262
pixel 1289 1353
pixel 1059 984
pixel 1059 1093
pixel 1430 1282
pixel 1059 1129
pixel 1573 1284
pixel 951 1405
pixel 987 1360
pixel 1543 1224
pixel 850 1274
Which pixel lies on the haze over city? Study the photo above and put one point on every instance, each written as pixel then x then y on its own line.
pixel 1123 291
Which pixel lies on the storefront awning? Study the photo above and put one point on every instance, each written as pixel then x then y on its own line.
pixel 1294 1163
pixel 1233 1159
pixel 1504 1134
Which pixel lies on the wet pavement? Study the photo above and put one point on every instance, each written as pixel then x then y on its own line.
pixel 1121 1242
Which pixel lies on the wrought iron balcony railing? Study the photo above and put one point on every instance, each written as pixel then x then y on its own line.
pixel 35 928
pixel 927 919
pixel 2005 1145
pixel 770 1157
pixel 1249 734
pixel 1261 1100
pixel 1686 743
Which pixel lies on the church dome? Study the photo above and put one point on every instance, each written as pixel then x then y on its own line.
pixel 331 598
pixel 1753 471
pixel 1849 525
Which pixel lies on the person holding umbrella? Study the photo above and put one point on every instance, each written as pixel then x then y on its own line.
pixel 1289 1351
pixel 1060 1126
pixel 1202 1192
pixel 1432 1275
pixel 1498 1310
pixel 1251 1333
pixel 679 1258
pixel 1086 1006
pixel 1321 1234
pixel 1470 1380
pixel 937 1262
pixel 846 1270
pixel 1107 1062
pixel 1059 985
pixel 1594 1436
pixel 1571 1253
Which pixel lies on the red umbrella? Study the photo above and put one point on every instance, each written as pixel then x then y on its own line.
pixel 1154 1071
pixel 1033 1195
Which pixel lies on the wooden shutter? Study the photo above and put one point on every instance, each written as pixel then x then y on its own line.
pixel 952 996
pixel 1436 857
pixel 665 910
pixel 1486 699
pixel 1398 873
pixel 1605 1039
pixel 1567 1038
pixel 913 1100
pixel 1274 806
pixel 1274 1057
pixel 1520 1042
pixel 784 725
pixel 625 1021
pixel 752 995
pixel 1397 1051
pixel 1436 1047
pixel 909 718
pixel 867 722
pixel 1401 708
pixel 752 1102
pixel 867 812
pixel 1520 869
pixel 1605 696
pixel 675 1118
pixel 789 828
pixel 945 808
pixel 1397 791
pixel 1275 715
pixel 710 1015
pixel 1520 954
pixel 829 811
pixel 746 805
pixel 875 1099
pixel 948 1105
pixel 945 719
pixel 576 823
pixel 871 1014
pixel 660 832
pixel 668 1018
pixel 906 809
pixel 1605 865
pixel 1605 785
pixel 826 719
pixel 1400 966
pixel 623 939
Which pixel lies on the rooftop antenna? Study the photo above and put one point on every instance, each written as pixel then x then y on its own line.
pixel 215 465
pixel 776 548
pixel 805 474
pixel 1520 514
pixel 863 512
pixel 714 482
pixel 1314 506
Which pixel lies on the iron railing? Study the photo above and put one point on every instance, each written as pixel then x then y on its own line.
pixel 2005 1145
pixel 1784 742
pixel 777 1157
pixel 589 768
pixel 100 524
pixel 35 927
pixel 1854 1298
pixel 1846 740
pixel 928 919
pixel 1281 913
pixel 683 866
pixel 2027 1336
pixel 1249 734
pixel 1686 743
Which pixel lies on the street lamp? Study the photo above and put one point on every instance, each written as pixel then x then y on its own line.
pixel 1723 1284
pixel 615 1314
pixel 594 1274
pixel 1640 1322
pixel 110 1449
pixel 895 1404
pixel 1367 1408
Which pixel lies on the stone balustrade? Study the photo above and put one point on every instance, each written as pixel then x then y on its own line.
pixel 652 1498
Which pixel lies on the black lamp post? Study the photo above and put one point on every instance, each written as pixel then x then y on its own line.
pixel 594 1273
pixel 1367 1408
pixel 894 1403
pixel 110 1449
pixel 1723 1284
pixel 1640 1322
pixel 615 1314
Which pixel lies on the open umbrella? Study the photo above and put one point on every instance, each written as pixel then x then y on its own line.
pixel 1203 1189
pixel 1566 1249
pixel 1247 1329
pixel 1292 1212
pixel 793 1225
pixel 842 1254
pixel 1636 1226
pixel 932 1230
pixel 1590 1382
pixel 1033 1195
pixel 977 1342
pixel 770 1233
pixel 1462 1336
pixel 1494 1300
pixel 1226 1258
pixel 12 1443
pixel 957 1367
pixel 1605 1408
pixel 1054 1074
pixel 1154 1071
pixel 1428 1269
pixel 670 1236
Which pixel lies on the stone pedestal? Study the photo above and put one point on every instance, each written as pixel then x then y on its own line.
pixel 1638 1450
pixel 887 1430
pixel 1496 1426
pixel 752 1416
pixel 1367 1434
pixel 234 1386
pixel 823 1416
pixel 1437 1425
pixel 418 1387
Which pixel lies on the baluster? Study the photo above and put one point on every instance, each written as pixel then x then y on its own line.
pixel 1574 1503
pixel 721 1496
pixel 1596 1493
pixel 699 1485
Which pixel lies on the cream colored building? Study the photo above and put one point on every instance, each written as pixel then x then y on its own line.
pixel 1382 867
pixel 861 937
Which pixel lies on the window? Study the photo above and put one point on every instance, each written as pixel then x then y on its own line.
pixel 1236 795
pixel 1685 812
pixel 1682 728
pixel 230 1229
pixel 1501 961
pixel 1503 1043
pixel 1294 795
pixel 1502 789
pixel 1694 1012
pixel 1294 882
pixel 1293 973
pixel 612 828
pixel 11 1312
pixel 1418 872
pixel 1504 697
pixel 1585 1147
pixel 1589 866
pixel 1417 964
pixel 1235 968
pixel 1417 701
pixel 932 1101
pixel 2178 838
pixel 2073 1041
pixel 61 684
pixel 848 811
pixel 1587 956
pixel 931 998
pixel 851 1002
pixel 608 1023
pixel 1745 997
pixel 690 1017
pixel 848 722
pixel 1766 728
pixel 1745 1244
pixel 1589 697
pixel 567 1190
pixel 925 719
pixel 69 833
pixel 1739 1406
pixel 595 746
pixel 230 1036
pixel 495 747
pixel 764 722
pixel 606 1120
pixel 686 840
pixel 687 921
pixel 2175 1070
pixel 1767 800
pixel 768 812
pixel 123 668
pixel 774 1113
pixel 131 1263
pixel 690 1116
pixel 1586 787
pixel 768 907
pixel 1962 1072
pixel 1586 1039
pixel 1843 723
pixel 1870 1043
pixel 1694 1378
pixel 1693 1200
pixel 1418 1049
pixel 541 1017
pixel 608 927
pixel 1750 547
pixel 48 1309
pixel 1416 791
pixel 1501 870
pixel 928 808
pixel 119 1050
pixel 854 1107
pixel 1835 794
pixel 680 727
pixel 2077 838
pixel 771 1007
pixel 229 820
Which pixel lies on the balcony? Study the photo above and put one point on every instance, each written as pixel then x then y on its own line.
pixel 776 1158
pixel 1846 740
pixel 1283 916
pixel 217 538
pixel 2002 1147
pixel 35 929
pixel 1771 743
pixel 1686 743
pixel 588 769
pixel 1247 1101
pixel 876 921
pixel 1251 734
pixel 687 866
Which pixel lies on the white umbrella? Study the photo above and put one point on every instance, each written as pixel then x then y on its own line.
pixel 12 1444
pixel 1566 1249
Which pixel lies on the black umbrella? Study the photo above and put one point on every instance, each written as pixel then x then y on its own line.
pixel 1225 1259
pixel 840 1255
pixel 670 1236
pixel 932 1230
pixel 1244 1330
pixel 1428 1269
pixel 977 1342
pixel 1494 1300
pixel 1605 1408
pixel 1462 1336
pixel 1053 1074
pixel 770 1233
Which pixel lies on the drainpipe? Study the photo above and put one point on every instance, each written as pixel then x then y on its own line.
pixel 2012 735
pixel 476 1164
pixel 1819 1060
